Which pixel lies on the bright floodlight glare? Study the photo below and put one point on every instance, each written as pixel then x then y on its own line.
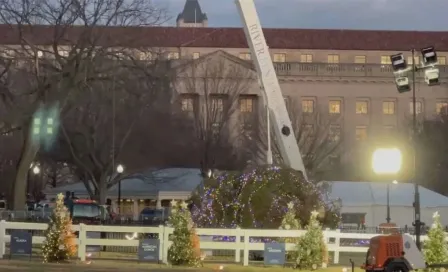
pixel 36 170
pixel 386 161
pixel 120 168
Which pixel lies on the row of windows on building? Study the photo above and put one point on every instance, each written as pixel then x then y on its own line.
pixel 361 132
pixel 247 103
pixel 335 130
pixel 362 107
pixel 334 59
pixel 308 58
pixel 277 57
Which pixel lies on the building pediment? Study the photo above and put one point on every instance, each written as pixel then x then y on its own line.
pixel 216 64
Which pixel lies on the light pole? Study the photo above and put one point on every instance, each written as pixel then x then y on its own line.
pixel 387 161
pixel 417 223
pixel 120 170
pixel 400 67
pixel 388 201
pixel 35 170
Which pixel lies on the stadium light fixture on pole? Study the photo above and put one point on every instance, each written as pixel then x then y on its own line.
pixel 401 71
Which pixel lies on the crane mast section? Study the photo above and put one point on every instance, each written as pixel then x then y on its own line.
pixel 287 143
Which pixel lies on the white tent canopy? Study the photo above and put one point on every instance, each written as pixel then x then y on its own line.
pixel 371 198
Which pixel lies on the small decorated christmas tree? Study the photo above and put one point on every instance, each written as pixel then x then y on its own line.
pixel 435 249
pixel 184 249
pixel 60 242
pixel 311 248
pixel 290 222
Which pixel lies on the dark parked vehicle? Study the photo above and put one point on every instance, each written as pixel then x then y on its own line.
pixel 88 212
pixel 152 216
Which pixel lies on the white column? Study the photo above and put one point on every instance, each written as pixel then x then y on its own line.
pixel 135 209
pixel 115 206
pixel 158 203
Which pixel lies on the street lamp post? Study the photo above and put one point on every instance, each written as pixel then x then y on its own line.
pixel 35 170
pixel 120 170
pixel 388 205
pixel 387 161
pixel 388 201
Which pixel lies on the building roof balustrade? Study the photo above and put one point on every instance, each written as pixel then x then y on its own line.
pixel 343 70
pixel 286 69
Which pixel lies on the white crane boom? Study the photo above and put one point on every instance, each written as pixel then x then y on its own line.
pixel 284 133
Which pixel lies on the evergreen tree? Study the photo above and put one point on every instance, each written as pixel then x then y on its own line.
pixel 435 248
pixel 290 222
pixel 184 249
pixel 60 242
pixel 255 198
pixel 311 253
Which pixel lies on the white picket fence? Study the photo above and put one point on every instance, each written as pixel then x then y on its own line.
pixel 333 238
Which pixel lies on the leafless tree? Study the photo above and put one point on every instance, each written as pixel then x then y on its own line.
pixel 9 156
pixel 12 101
pixel 52 172
pixel 209 89
pixel 318 135
pixel 98 127
pixel 60 46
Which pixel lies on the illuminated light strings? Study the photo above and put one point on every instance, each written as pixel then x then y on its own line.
pixel 235 196
pixel 132 237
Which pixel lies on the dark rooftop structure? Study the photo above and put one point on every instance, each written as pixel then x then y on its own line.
pixel 136 37
pixel 192 15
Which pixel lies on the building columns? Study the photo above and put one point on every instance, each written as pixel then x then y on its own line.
pixel 135 209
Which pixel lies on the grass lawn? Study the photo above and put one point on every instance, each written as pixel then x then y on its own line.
pixel 104 266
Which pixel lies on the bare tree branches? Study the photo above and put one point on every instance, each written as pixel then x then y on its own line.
pixel 10 144
pixel 63 50
pixel 318 135
pixel 99 125
pixel 209 89
pixel 431 146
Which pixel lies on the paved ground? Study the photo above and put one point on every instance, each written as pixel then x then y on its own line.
pixel 106 266
pixel 97 266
